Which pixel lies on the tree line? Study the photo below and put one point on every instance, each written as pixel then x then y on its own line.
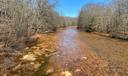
pixel 24 18
pixel 109 18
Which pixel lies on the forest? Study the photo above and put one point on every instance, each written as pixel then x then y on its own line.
pixel 109 18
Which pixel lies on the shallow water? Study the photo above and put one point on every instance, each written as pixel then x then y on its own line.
pixel 87 54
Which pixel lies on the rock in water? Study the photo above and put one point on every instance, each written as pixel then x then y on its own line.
pixel 78 70
pixel 66 73
pixel 84 58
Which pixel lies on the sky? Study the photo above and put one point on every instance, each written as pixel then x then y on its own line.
pixel 71 8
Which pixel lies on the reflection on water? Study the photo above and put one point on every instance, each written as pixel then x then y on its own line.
pixel 68 38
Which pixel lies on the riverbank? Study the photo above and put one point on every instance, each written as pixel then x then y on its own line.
pixel 29 61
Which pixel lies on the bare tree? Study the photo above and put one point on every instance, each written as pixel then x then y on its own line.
pixel 110 18
pixel 23 18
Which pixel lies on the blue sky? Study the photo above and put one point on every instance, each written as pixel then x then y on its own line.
pixel 71 8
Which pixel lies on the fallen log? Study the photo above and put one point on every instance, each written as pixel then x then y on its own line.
pixel 119 36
